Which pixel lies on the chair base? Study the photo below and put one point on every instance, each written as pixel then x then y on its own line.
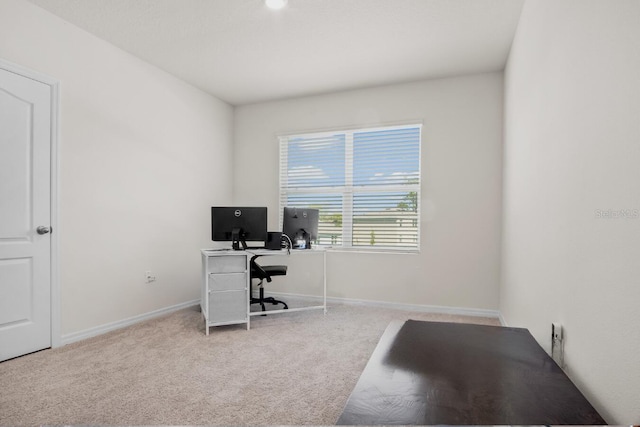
pixel 262 300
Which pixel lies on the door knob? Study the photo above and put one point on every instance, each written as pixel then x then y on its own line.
pixel 43 230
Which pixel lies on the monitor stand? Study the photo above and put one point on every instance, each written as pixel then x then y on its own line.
pixel 302 239
pixel 237 240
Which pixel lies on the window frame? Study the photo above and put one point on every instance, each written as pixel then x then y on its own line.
pixel 348 190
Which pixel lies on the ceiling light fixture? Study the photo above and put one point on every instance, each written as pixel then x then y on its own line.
pixel 275 4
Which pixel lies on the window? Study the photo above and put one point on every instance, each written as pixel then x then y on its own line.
pixel 365 182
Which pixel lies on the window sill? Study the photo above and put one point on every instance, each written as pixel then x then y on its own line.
pixel 384 251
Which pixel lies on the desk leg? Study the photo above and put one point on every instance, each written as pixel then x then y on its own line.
pixel 324 278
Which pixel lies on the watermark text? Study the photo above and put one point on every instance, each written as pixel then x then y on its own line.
pixel 617 213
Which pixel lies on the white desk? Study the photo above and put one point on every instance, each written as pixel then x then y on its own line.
pixel 226 280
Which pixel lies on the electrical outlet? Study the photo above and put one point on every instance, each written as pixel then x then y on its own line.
pixel 148 277
pixel 556 331
pixel 557 344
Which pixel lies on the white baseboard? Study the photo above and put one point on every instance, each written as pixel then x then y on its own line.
pixel 98 330
pixel 457 311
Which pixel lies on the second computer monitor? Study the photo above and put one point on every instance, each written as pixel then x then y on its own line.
pixel 301 226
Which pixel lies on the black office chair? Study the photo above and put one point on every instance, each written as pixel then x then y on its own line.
pixel 262 273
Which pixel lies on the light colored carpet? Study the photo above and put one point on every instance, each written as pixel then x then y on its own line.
pixel 291 369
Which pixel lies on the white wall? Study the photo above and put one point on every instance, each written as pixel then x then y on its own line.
pixel 142 158
pixel 572 148
pixel 461 188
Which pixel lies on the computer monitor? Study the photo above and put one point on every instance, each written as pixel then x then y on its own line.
pixel 238 225
pixel 301 226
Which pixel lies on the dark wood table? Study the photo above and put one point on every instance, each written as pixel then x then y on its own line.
pixel 454 373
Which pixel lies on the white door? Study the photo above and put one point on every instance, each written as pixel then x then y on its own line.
pixel 25 215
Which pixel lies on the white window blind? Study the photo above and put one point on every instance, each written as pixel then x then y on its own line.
pixel 365 182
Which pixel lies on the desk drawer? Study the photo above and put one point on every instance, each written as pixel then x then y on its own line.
pixel 228 306
pixel 227 281
pixel 227 264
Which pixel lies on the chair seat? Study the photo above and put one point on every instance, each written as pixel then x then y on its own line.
pixel 270 270
pixel 275 270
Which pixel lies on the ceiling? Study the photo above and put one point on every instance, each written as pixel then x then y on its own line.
pixel 242 52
